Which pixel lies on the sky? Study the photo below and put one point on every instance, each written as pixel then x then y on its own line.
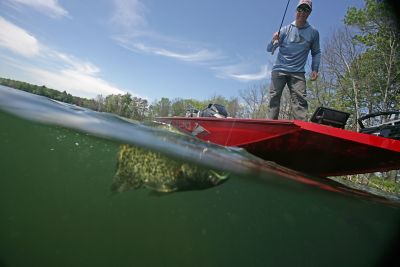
pixel 149 48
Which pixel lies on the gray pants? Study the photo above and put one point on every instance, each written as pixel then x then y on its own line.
pixel 296 83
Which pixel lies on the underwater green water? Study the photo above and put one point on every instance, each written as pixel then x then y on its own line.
pixel 57 209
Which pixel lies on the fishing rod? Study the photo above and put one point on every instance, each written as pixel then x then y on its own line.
pixel 274 46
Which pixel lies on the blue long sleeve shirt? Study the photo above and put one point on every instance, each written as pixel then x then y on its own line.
pixel 294 46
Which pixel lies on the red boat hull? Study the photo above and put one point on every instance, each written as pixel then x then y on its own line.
pixel 304 146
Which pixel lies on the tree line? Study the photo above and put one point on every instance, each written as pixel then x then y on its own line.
pixel 127 105
pixel 48 92
pixel 124 105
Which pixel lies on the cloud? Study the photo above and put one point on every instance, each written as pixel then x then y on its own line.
pixel 74 82
pixel 129 17
pixel 62 76
pixel 55 69
pixel 17 40
pixel 237 72
pixel 75 63
pixel 128 14
pixel 50 8
pixel 197 55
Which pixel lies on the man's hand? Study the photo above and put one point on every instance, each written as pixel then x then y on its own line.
pixel 275 37
pixel 313 75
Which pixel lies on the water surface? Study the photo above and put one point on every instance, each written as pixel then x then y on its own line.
pixel 56 207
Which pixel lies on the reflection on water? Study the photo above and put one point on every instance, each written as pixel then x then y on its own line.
pixel 56 208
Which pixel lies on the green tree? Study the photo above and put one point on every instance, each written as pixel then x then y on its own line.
pixel 139 108
pixel 112 103
pixel 124 105
pixel 234 108
pixel 161 108
pixel 100 102
pixel 378 32
pixel 180 106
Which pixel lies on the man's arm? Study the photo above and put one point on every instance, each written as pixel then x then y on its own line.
pixel 315 53
pixel 316 57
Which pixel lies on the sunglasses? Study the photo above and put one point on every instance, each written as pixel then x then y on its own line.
pixel 303 9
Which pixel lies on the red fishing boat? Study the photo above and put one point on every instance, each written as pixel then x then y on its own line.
pixel 309 147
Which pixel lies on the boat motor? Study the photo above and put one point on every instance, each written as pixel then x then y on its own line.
pixel 214 110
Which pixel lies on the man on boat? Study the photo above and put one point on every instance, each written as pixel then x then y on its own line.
pixel 295 41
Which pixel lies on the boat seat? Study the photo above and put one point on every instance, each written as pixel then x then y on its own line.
pixel 390 128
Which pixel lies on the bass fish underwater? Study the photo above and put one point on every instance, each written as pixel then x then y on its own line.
pixel 138 167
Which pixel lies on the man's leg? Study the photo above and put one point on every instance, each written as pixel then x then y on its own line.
pixel 298 94
pixel 278 82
